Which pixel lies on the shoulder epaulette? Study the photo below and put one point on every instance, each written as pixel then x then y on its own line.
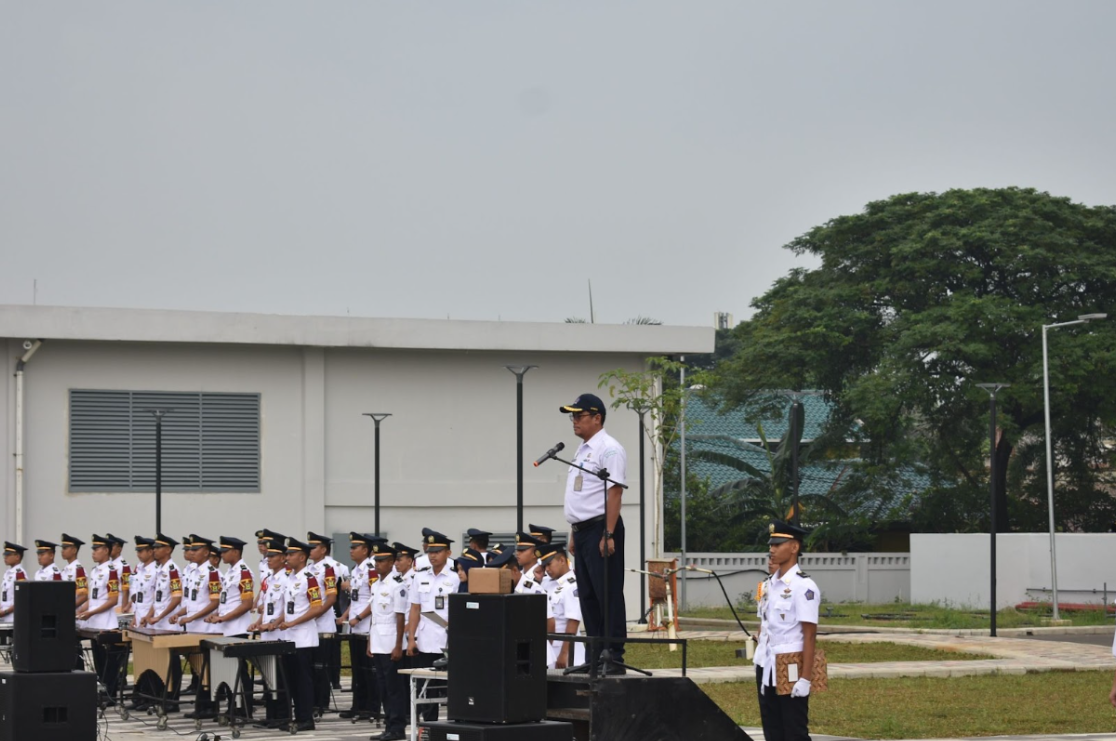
pixel 803 574
pixel 423 568
pixel 398 578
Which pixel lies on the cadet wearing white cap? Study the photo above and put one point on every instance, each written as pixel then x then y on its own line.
pixel 13 559
pixel 426 639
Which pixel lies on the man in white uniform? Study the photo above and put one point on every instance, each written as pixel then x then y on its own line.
pixel 74 571
pixel 564 605
pixel 321 565
pixel 426 639
pixel 123 570
pixel 99 613
pixel 13 559
pixel 597 526
pixel 385 641
pixel 359 618
pixel 48 569
pixel 303 607
pixel 200 598
pixel 143 579
pixel 271 603
pixel 168 586
pixel 525 545
pixel 790 622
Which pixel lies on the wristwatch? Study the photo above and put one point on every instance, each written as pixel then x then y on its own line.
pixel 608 535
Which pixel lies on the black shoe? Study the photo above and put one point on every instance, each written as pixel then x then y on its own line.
pixel 391 736
pixel 442 663
pixel 614 670
pixel 201 714
pixel 336 685
pixel 306 725
pixel 346 714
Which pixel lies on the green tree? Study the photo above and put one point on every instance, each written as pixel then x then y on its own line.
pixel 922 296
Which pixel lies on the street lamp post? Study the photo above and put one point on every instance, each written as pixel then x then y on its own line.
pixel 158 414
pixel 992 389
pixel 682 502
pixel 377 417
pixel 642 525
pixel 1083 319
pixel 520 371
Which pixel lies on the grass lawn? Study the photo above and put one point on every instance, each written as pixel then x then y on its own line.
pixel 904 615
pixel 1048 702
pixel 720 653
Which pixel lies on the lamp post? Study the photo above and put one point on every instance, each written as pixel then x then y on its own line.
pixel 992 389
pixel 158 414
pixel 642 525
pixel 682 501
pixel 377 417
pixel 1083 319
pixel 520 371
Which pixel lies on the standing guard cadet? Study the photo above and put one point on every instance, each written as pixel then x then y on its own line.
pixel 48 570
pixel 327 625
pixel 525 545
pixel 564 605
pixel 359 617
pixel 143 579
pixel 13 559
pixel 303 607
pixel 324 554
pixel 478 541
pixel 422 561
pixel 99 613
pixel 168 586
pixel 385 641
pixel 201 597
pixel 271 605
pixel 74 571
pixel 234 613
pixel 426 640
pixel 123 570
pixel 790 623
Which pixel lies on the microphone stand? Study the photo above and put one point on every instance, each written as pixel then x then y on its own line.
pixel 606 660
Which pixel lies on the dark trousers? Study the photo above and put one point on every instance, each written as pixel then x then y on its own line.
pixel 784 718
pixel 589 571
pixel 247 680
pixel 299 667
pixel 425 661
pixel 322 658
pixel 393 692
pixel 335 663
pixel 365 691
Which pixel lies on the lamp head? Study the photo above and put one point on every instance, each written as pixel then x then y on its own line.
pixel 1092 317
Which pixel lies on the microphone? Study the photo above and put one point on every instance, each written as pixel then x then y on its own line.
pixel 704 571
pixel 550 454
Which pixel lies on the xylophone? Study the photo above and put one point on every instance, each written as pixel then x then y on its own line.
pixel 226 657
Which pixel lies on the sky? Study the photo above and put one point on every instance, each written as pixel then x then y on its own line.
pixel 487 159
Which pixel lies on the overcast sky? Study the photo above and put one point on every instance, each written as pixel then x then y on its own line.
pixel 481 159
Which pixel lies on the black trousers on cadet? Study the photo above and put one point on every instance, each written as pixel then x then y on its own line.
pixel 589 571
pixel 365 697
pixel 322 658
pixel 393 692
pixel 298 667
pixel 428 712
pixel 784 718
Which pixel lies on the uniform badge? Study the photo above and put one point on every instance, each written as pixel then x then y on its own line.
pixel 809 594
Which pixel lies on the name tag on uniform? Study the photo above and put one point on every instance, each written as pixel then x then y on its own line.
pixel 159 595
pixel 4 595
pixel 270 608
pixel 578 481
pixel 194 596
pixel 355 594
pixel 439 602
pixel 139 599
pixel 290 608
pixel 223 598
pixel 95 592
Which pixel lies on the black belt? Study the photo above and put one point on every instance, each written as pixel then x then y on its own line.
pixel 578 526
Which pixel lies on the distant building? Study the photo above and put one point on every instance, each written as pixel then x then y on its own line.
pixel 267 427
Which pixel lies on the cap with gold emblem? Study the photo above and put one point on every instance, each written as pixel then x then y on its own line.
pixel 100 541
pixel 404 550
pixel 548 551
pixel 164 540
pixel 435 541
pixel 45 545
pixel 381 550
pixel 523 541
pixel 780 532
pixel 229 543
pixel 13 548
pixel 71 540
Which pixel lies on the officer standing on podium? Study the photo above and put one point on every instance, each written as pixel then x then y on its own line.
pixel 596 526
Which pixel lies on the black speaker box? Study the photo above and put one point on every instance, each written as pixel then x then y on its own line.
pixel 497 652
pixel 546 730
pixel 48 706
pixel 44 638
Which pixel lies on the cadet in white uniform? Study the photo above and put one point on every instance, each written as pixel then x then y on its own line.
pixel 271 603
pixel 321 566
pixel 237 590
pixel 74 571
pixel 359 618
pixel 143 579
pixel 303 607
pixel 564 605
pixel 790 622
pixel 405 575
pixel 426 640
pixel 168 586
pixel 99 613
pixel 385 641
pixel 116 546
pixel 13 559
pixel 510 560
pixel 525 545
pixel 48 569
pixel 202 593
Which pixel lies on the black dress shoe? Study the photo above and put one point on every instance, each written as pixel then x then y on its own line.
pixel 391 736
pixel 614 670
pixel 306 725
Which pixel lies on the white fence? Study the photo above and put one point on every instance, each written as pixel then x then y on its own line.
pixel 842 577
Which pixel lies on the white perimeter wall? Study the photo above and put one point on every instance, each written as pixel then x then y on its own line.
pixel 448 453
pixel 955 569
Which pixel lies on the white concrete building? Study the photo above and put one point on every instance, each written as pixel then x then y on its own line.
pixel 268 428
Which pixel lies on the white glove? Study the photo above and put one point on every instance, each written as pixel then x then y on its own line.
pixel 801 688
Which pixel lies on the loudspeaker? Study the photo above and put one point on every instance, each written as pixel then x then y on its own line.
pixel 44 638
pixel 48 706
pixel 497 651
pixel 453 731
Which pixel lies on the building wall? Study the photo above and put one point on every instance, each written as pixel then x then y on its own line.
pixel 448 455
pixel 955 568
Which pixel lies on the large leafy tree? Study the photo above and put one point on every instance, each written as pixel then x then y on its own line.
pixel 919 298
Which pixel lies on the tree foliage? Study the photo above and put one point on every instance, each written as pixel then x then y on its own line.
pixel 919 298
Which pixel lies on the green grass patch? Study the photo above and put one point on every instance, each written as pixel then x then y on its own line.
pixel 992 705
pixel 925 616
pixel 702 654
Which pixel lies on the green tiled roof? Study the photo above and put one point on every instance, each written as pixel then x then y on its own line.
pixel 705 419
